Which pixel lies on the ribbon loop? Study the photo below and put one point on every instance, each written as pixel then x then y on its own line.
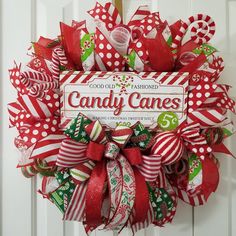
pixel 96 132
pixel 95 151
pixel 133 155
pixel 121 135
pixel 193 139
pixel 111 151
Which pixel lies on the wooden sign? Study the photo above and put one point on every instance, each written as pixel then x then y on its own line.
pixel 123 97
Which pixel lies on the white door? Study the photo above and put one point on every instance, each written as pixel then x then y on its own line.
pixel 23 212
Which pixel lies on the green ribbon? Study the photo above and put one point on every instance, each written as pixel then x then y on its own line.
pixel 161 202
pixel 76 130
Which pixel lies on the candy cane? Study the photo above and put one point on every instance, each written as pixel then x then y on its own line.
pixel 37 90
pixel 58 58
pixel 25 80
pixel 27 76
pixel 201 33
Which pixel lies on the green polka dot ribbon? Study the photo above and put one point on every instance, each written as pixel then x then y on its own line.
pixel 87 46
pixel 195 172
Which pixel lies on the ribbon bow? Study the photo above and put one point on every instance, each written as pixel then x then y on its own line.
pixel 168 149
pixel 193 139
pixel 99 145
pixel 97 157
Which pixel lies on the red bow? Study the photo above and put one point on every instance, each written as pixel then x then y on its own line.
pixel 122 178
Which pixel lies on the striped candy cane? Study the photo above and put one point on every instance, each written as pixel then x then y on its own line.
pixel 58 58
pixel 201 33
pixel 38 90
pixel 27 77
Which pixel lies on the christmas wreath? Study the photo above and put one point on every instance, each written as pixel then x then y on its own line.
pixel 129 175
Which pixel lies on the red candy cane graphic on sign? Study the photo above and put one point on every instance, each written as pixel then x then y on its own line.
pixel 201 33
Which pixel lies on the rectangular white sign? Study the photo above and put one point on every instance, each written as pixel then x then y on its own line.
pixel 122 97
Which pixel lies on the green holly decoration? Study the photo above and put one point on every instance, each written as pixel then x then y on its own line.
pixel 141 137
pixel 76 129
pixel 161 202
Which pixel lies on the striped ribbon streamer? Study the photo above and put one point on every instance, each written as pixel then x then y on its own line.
pixel 76 207
pixel 116 11
pixel 58 58
pixel 71 153
pixel 150 168
pixel 29 77
pixel 38 90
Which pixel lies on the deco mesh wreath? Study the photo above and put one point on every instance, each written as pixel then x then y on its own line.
pixel 129 175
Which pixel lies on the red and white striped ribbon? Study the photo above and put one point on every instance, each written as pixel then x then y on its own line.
pixel 38 90
pixel 82 172
pixel 13 109
pixel 48 148
pixel 34 107
pixel 114 13
pixel 140 14
pixel 71 153
pixel 58 58
pixel 197 200
pixel 141 225
pixel 150 168
pixel 76 207
pixel 207 118
pixel 29 77
pixel 170 147
pixel 96 132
